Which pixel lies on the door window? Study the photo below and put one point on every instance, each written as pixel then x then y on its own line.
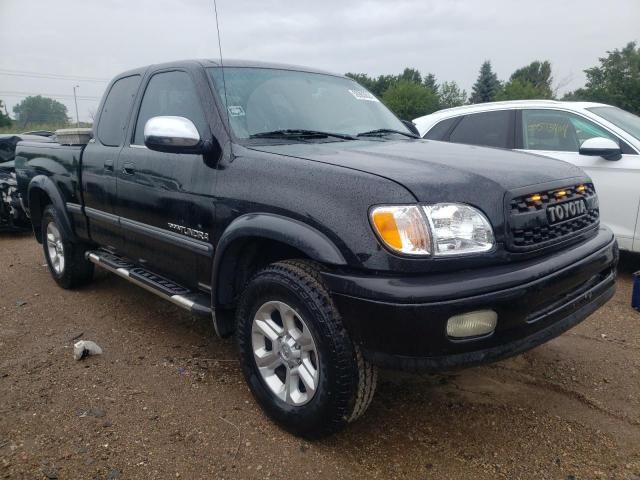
pixel 440 129
pixel 116 110
pixel 558 131
pixel 169 93
pixel 491 129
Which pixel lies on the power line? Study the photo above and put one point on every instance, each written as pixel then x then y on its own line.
pixel 52 95
pixel 54 76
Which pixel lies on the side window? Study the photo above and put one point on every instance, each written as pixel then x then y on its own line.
pixel 557 131
pixel 116 110
pixel 491 129
pixel 169 93
pixel 440 129
pixel 586 130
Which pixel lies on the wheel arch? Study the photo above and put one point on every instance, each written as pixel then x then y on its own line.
pixel 42 192
pixel 255 240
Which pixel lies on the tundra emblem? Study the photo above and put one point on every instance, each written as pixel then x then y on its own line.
pixel 189 232
pixel 566 211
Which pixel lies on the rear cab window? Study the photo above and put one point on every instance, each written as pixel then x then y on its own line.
pixel 116 109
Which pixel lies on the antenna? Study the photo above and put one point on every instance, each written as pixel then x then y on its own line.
pixel 224 83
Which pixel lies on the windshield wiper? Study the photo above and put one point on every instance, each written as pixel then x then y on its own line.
pixel 300 133
pixel 382 131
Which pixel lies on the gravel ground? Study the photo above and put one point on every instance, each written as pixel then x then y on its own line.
pixel 167 398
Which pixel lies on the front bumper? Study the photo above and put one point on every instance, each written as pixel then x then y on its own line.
pixel 400 322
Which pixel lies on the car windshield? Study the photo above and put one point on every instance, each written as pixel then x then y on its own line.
pixel 628 122
pixel 285 103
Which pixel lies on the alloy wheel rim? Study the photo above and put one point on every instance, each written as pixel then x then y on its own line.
pixel 55 248
pixel 285 353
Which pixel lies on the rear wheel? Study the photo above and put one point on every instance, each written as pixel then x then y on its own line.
pixel 297 357
pixel 65 259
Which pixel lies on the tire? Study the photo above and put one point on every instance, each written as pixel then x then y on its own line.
pixel 65 259
pixel 330 382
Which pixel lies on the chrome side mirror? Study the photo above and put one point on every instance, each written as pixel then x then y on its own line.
pixel 172 134
pixel 601 147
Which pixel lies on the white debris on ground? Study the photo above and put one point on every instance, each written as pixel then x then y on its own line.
pixel 84 348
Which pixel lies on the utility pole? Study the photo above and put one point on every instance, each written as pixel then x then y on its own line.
pixel 75 100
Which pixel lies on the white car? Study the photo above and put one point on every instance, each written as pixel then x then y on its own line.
pixel 601 139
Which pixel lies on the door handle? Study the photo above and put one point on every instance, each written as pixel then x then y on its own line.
pixel 128 169
pixel 108 165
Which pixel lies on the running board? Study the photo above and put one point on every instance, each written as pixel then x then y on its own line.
pixel 197 303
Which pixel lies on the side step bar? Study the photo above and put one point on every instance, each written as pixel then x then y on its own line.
pixel 197 303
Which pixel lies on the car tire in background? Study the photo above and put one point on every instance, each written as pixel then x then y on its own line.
pixel 65 259
pixel 297 357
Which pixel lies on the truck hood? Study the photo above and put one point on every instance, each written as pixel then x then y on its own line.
pixel 437 171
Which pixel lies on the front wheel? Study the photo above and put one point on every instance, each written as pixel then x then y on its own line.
pixel 65 259
pixel 296 355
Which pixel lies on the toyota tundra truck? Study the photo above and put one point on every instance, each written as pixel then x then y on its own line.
pixel 290 207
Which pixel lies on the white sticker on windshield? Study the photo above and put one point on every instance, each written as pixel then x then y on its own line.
pixel 236 111
pixel 363 95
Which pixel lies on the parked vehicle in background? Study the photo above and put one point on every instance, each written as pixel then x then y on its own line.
pixel 12 215
pixel 40 133
pixel 601 139
pixel 295 210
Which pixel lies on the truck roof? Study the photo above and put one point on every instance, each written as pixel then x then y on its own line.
pixel 190 63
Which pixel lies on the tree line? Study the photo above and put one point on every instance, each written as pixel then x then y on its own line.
pixel 615 81
pixel 410 94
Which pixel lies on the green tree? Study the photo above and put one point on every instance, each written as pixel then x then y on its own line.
pixel 39 109
pixel 450 95
pixel 382 84
pixel 411 74
pixel 5 120
pixel 538 75
pixel 487 85
pixel 430 81
pixel 615 81
pixel 517 89
pixel 409 99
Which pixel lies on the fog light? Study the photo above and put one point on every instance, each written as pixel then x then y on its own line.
pixel 472 324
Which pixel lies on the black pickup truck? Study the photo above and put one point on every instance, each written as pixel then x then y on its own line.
pixel 295 210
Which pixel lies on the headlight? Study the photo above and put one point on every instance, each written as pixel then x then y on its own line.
pixel 458 229
pixel 402 228
pixel 441 229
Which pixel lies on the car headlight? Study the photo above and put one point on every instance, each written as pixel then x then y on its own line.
pixel 458 229
pixel 441 229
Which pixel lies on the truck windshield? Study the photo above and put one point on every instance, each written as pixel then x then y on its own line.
pixel 264 100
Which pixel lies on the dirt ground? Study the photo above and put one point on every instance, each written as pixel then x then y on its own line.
pixel 167 398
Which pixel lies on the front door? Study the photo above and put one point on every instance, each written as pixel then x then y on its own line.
pixel 161 212
pixel 559 134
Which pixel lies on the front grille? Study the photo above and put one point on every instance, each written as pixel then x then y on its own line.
pixel 529 226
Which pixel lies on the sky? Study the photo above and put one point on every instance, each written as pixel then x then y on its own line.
pixel 84 43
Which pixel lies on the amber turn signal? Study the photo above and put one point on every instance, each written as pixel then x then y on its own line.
pixel 402 228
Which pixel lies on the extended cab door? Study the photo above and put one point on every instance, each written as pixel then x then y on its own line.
pixel 559 134
pixel 165 200
pixel 99 160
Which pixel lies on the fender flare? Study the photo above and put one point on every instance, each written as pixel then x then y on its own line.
pixel 299 235
pixel 45 184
